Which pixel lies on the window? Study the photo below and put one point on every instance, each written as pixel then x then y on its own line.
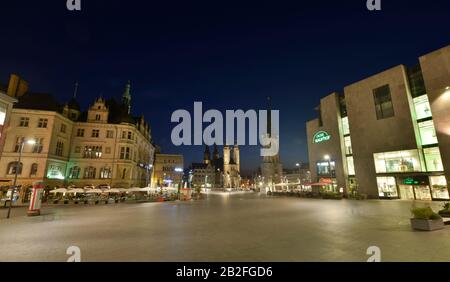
pixel 350 166
pixel 401 161
pixel 106 173
pixel 13 167
pixel 2 115
pixel 19 143
pixel 130 135
pixel 348 145
pixel 74 172
pixel 387 187
pixel 383 102
pixel 63 128
pixel 125 153
pixel 93 152
pixel 24 122
pixel 422 107
pixel 345 126
pixel 439 188
pixel 109 134
pixel 59 148
pixel 98 117
pixel 433 159
pixel 38 146
pixel 90 172
pixel 43 122
pixel 80 132
pixel 95 133
pixel 55 172
pixel 33 170
pixel 326 169
pixel 427 133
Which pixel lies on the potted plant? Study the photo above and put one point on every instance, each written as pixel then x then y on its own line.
pixel 446 211
pixel 426 219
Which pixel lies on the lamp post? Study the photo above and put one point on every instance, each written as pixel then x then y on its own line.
pixel 18 165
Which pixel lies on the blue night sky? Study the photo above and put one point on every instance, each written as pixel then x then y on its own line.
pixel 227 54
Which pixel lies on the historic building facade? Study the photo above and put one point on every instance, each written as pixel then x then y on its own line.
pixel 388 136
pixel 168 170
pixel 216 171
pixel 105 145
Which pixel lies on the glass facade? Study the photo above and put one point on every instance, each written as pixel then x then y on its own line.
pixel 427 133
pixel 350 166
pixel 433 159
pixel 422 107
pixel 400 161
pixel 345 126
pixel 387 187
pixel 439 187
pixel 348 145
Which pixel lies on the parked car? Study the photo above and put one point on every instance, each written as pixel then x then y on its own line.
pixel 89 187
pixel 104 187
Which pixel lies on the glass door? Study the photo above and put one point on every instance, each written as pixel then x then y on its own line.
pixel 406 192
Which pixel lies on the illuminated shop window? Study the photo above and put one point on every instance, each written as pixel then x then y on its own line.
pixel 427 133
pixel 350 166
pixel 439 187
pixel 345 126
pixel 387 187
pixel 55 172
pixel 422 106
pixel 433 159
pixel 326 169
pixel 401 161
pixel 348 145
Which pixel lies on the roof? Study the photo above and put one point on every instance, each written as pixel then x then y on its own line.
pixel 199 166
pixel 38 101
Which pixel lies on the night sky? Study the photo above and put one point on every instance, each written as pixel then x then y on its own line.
pixel 227 54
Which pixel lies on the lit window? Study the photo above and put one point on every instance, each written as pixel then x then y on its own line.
pixel 401 161
pixel 422 107
pixel 350 166
pixel 387 187
pixel 439 187
pixel 433 159
pixel 348 145
pixel 428 133
pixel 345 126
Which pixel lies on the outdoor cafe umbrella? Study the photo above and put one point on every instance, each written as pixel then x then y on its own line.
pixel 94 191
pixel 75 191
pixel 148 189
pixel 134 190
pixel 60 190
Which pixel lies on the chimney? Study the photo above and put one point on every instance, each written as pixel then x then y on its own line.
pixel 17 87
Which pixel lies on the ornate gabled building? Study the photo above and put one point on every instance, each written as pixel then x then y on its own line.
pixel 104 145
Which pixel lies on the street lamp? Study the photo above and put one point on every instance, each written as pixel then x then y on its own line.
pixel 18 165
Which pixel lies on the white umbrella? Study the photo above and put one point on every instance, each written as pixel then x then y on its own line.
pixel 113 191
pixel 134 190
pixel 148 189
pixel 171 188
pixel 73 191
pixel 60 190
pixel 94 191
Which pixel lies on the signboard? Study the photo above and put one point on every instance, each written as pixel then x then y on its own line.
pixel 321 136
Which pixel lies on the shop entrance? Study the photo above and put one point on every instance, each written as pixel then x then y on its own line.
pixel 415 192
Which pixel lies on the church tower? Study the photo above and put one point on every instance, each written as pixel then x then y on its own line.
pixel 207 156
pixel 271 167
pixel 126 97
pixel 236 158
pixel 216 153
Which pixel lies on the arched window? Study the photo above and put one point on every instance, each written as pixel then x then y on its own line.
pixel 13 167
pixel 106 173
pixel 33 170
pixel 74 172
pixel 90 172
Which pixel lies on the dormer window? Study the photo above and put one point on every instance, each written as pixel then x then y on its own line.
pixel 98 118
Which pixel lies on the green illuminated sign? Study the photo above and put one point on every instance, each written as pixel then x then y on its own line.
pixel 321 136
pixel 410 181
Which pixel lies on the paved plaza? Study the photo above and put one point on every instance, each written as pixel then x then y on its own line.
pixel 243 227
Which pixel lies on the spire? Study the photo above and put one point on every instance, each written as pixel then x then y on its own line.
pixel 126 97
pixel 216 152
pixel 207 155
pixel 75 92
pixel 269 116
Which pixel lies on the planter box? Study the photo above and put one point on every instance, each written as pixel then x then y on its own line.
pixel 427 225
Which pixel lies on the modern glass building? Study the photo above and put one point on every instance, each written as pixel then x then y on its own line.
pixel 387 136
